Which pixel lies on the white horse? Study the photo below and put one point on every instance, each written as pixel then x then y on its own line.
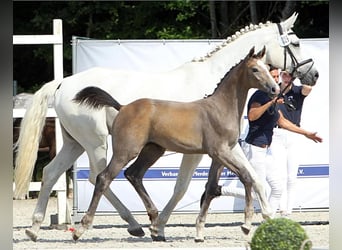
pixel 85 130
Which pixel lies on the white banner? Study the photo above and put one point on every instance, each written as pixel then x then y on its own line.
pixel 157 55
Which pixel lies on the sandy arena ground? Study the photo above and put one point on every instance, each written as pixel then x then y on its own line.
pixel 109 231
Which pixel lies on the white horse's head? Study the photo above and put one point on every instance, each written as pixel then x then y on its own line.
pixel 285 52
pixel 282 44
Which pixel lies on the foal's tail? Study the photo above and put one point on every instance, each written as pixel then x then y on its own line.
pixel 96 98
pixel 30 134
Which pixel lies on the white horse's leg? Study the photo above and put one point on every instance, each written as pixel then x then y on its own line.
pixel 70 151
pixel 98 163
pixel 186 170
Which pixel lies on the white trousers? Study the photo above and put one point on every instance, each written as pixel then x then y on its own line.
pixel 262 161
pixel 285 150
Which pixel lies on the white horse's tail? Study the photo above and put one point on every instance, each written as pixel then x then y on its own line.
pixel 30 134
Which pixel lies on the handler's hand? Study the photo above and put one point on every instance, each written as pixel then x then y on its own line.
pixel 314 137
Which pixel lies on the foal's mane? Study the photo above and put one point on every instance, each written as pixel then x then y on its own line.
pixel 231 39
pixel 226 75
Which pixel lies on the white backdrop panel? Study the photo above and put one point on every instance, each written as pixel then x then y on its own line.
pixel 159 55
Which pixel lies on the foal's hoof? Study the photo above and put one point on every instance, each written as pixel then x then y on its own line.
pixel 76 235
pixel 268 216
pixel 31 234
pixel 138 232
pixel 198 240
pixel 158 238
pixel 245 229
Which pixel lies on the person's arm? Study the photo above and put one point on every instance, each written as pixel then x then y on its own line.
pixel 257 109
pixel 286 124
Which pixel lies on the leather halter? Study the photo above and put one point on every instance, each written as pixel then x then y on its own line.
pixel 285 41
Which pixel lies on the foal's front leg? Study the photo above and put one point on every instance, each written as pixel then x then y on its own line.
pixel 239 164
pixel 247 175
pixel 212 190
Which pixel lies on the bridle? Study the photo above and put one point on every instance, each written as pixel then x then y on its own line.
pixel 285 41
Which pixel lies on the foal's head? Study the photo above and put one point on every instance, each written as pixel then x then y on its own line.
pixel 258 73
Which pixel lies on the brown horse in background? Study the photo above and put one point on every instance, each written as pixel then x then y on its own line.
pixel 147 127
pixel 47 144
pixel 48 140
pixel 47 148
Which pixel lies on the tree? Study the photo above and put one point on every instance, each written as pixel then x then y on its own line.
pixel 213 21
pixel 145 20
pixel 254 15
pixel 288 9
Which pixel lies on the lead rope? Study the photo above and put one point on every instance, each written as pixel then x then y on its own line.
pixel 280 95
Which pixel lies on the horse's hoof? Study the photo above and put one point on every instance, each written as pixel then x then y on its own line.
pixel 197 240
pixel 158 238
pixel 76 236
pixel 138 232
pixel 268 216
pixel 245 229
pixel 31 234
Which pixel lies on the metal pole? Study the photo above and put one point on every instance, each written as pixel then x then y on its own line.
pixel 75 192
pixel 15 87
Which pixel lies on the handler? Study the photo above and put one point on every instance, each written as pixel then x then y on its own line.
pixel 263 116
pixel 285 144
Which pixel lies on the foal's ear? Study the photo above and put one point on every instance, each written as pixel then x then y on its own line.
pixel 251 52
pixel 261 53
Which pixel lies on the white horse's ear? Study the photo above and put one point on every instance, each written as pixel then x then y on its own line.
pixel 288 23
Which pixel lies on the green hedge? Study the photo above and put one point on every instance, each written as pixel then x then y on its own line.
pixel 280 234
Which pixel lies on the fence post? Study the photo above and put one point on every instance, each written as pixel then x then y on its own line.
pixel 56 39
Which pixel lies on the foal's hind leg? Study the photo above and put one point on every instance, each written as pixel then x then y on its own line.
pixel 148 156
pixel 70 151
pixel 103 181
pixel 98 161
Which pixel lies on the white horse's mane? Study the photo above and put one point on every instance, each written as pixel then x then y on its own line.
pixel 230 39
